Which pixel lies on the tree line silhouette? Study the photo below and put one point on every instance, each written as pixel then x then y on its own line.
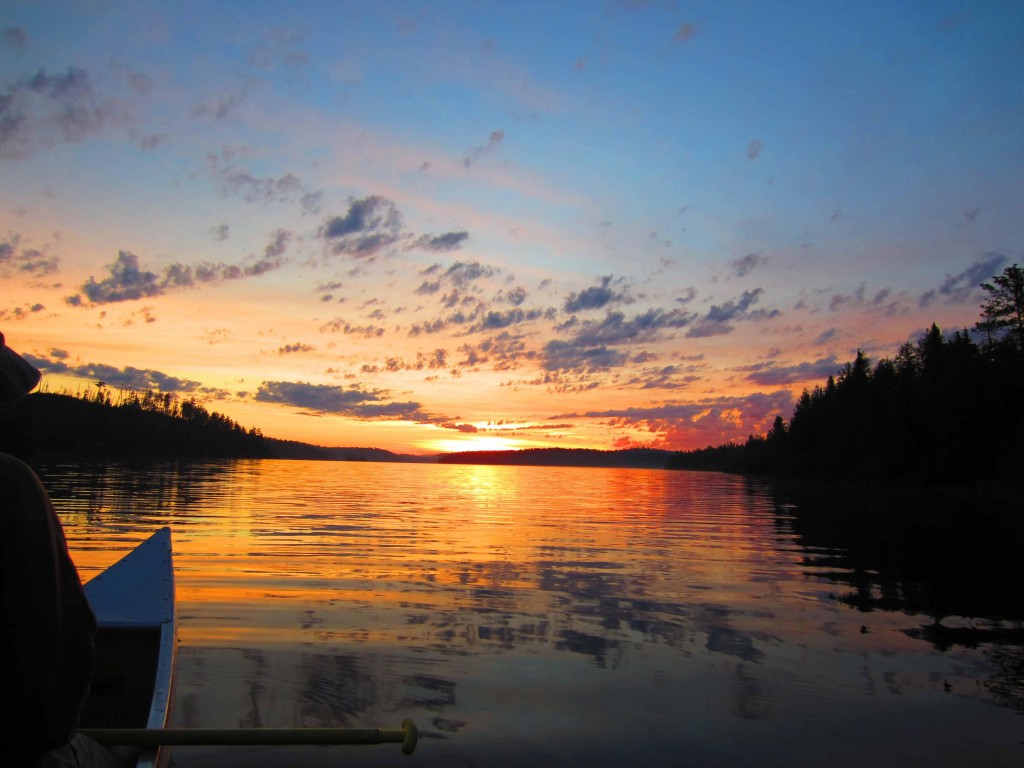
pixel 98 423
pixel 946 410
pixel 146 424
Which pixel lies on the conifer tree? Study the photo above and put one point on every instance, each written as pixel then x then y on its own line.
pixel 1003 310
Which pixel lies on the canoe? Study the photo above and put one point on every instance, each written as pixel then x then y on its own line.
pixel 136 643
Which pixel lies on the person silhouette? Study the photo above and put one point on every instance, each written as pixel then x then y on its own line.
pixel 46 624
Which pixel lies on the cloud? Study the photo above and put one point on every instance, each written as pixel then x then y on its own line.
pixel 520 428
pixel 429 326
pixel 435 360
pixel 276 248
pixel 493 142
pixel 826 336
pixel 288 349
pixel 503 352
pixel 139 82
pixel 471 313
pixel 311 201
pixel 693 424
pixel 468 428
pixel 840 301
pixel 41 110
pixel 684 33
pixel 222 107
pixel 859 300
pixel 462 273
pixel 746 264
pixel 279 48
pixel 128 378
pixel 565 355
pixel 718 321
pixel 615 328
pixel 146 142
pixel 514 296
pixel 322 398
pixel 327 399
pixel 365 215
pixel 220 232
pixel 127 281
pixel 492 320
pixel 963 286
pixel 596 297
pixel 15 258
pixel 460 276
pixel 665 377
pixel 371 224
pixel 20 313
pixel 232 179
pixel 337 324
pixel 771 374
pixel 14 37
pixel 450 241
pixel 688 295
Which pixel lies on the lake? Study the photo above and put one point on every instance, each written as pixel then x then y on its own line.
pixel 527 616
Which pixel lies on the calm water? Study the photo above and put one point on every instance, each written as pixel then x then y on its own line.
pixel 527 616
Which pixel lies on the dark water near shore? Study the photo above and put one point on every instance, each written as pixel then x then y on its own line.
pixel 564 616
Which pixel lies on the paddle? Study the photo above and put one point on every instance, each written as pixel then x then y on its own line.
pixel 407 736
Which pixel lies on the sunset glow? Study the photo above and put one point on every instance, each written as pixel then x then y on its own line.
pixel 475 443
pixel 475 226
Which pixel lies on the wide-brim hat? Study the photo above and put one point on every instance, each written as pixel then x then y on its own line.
pixel 17 376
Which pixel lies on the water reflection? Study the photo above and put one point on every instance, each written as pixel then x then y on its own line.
pixel 940 555
pixel 948 557
pixel 560 612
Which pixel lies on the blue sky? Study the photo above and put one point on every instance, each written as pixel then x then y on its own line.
pixel 601 223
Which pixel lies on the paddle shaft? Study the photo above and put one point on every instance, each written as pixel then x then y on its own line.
pixel 407 736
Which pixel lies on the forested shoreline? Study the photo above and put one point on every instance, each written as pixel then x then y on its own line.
pixel 96 424
pixel 137 425
pixel 945 411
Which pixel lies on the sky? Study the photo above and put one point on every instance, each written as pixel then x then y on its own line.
pixel 442 226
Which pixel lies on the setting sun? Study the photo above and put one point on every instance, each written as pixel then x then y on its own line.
pixel 474 443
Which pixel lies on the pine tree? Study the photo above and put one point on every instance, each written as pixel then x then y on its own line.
pixel 1003 310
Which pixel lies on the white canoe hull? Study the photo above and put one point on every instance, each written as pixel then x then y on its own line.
pixel 136 643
